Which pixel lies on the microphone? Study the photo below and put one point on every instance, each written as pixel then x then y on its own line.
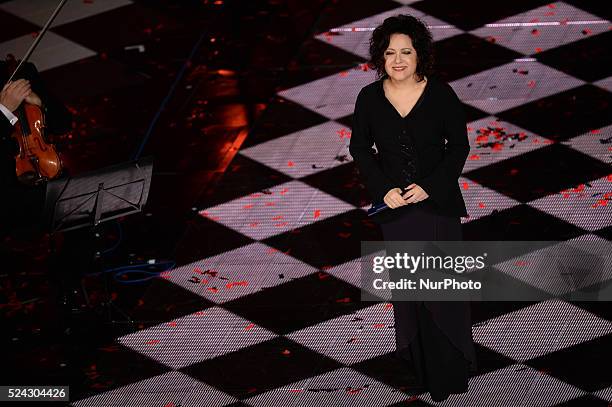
pixel 379 207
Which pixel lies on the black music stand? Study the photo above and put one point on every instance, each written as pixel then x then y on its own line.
pixel 84 202
pixel 98 196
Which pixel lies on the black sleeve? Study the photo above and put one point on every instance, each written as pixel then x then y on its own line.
pixel 6 129
pixel 57 116
pixel 360 147
pixel 438 184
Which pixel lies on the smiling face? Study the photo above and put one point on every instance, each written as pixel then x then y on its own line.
pixel 400 54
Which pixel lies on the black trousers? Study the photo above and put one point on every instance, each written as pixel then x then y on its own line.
pixel 434 338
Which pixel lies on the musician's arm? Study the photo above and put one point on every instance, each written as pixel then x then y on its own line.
pixel 12 119
pixel 6 129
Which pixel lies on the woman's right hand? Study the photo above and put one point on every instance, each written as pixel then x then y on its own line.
pixel 394 199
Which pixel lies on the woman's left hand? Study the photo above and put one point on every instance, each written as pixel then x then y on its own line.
pixel 415 194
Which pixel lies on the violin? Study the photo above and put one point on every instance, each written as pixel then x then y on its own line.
pixel 37 160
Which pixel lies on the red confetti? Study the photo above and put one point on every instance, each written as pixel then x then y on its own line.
pixel 249 327
pixel 481 205
pixel 213 289
pixel 345 299
pixel 207 215
pixel 343 133
pixel 243 283
pixel 482 138
pixel 317 213
pixel 388 306
pixel 466 185
pixel 153 342
pixel 286 352
pixel 379 325
pixel 172 324
pixel 290 164
pixel 344 235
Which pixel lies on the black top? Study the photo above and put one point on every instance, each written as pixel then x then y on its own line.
pixel 414 141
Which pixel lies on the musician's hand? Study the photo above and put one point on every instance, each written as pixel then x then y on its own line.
pixel 33 98
pixel 414 194
pixel 393 198
pixel 13 93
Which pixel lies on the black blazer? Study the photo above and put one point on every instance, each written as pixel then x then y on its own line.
pixel 437 116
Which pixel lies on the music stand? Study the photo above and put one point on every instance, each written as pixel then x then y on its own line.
pixel 88 199
pixel 98 196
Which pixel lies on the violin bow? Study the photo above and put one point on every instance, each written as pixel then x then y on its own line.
pixel 41 33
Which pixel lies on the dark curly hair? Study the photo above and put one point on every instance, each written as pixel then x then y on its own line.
pixel 418 33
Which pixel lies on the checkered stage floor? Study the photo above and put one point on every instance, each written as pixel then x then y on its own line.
pixel 278 320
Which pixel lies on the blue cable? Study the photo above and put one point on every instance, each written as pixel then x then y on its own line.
pixel 116 245
pixel 179 76
pixel 142 268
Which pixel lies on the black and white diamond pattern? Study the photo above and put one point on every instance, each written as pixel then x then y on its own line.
pixel 281 322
